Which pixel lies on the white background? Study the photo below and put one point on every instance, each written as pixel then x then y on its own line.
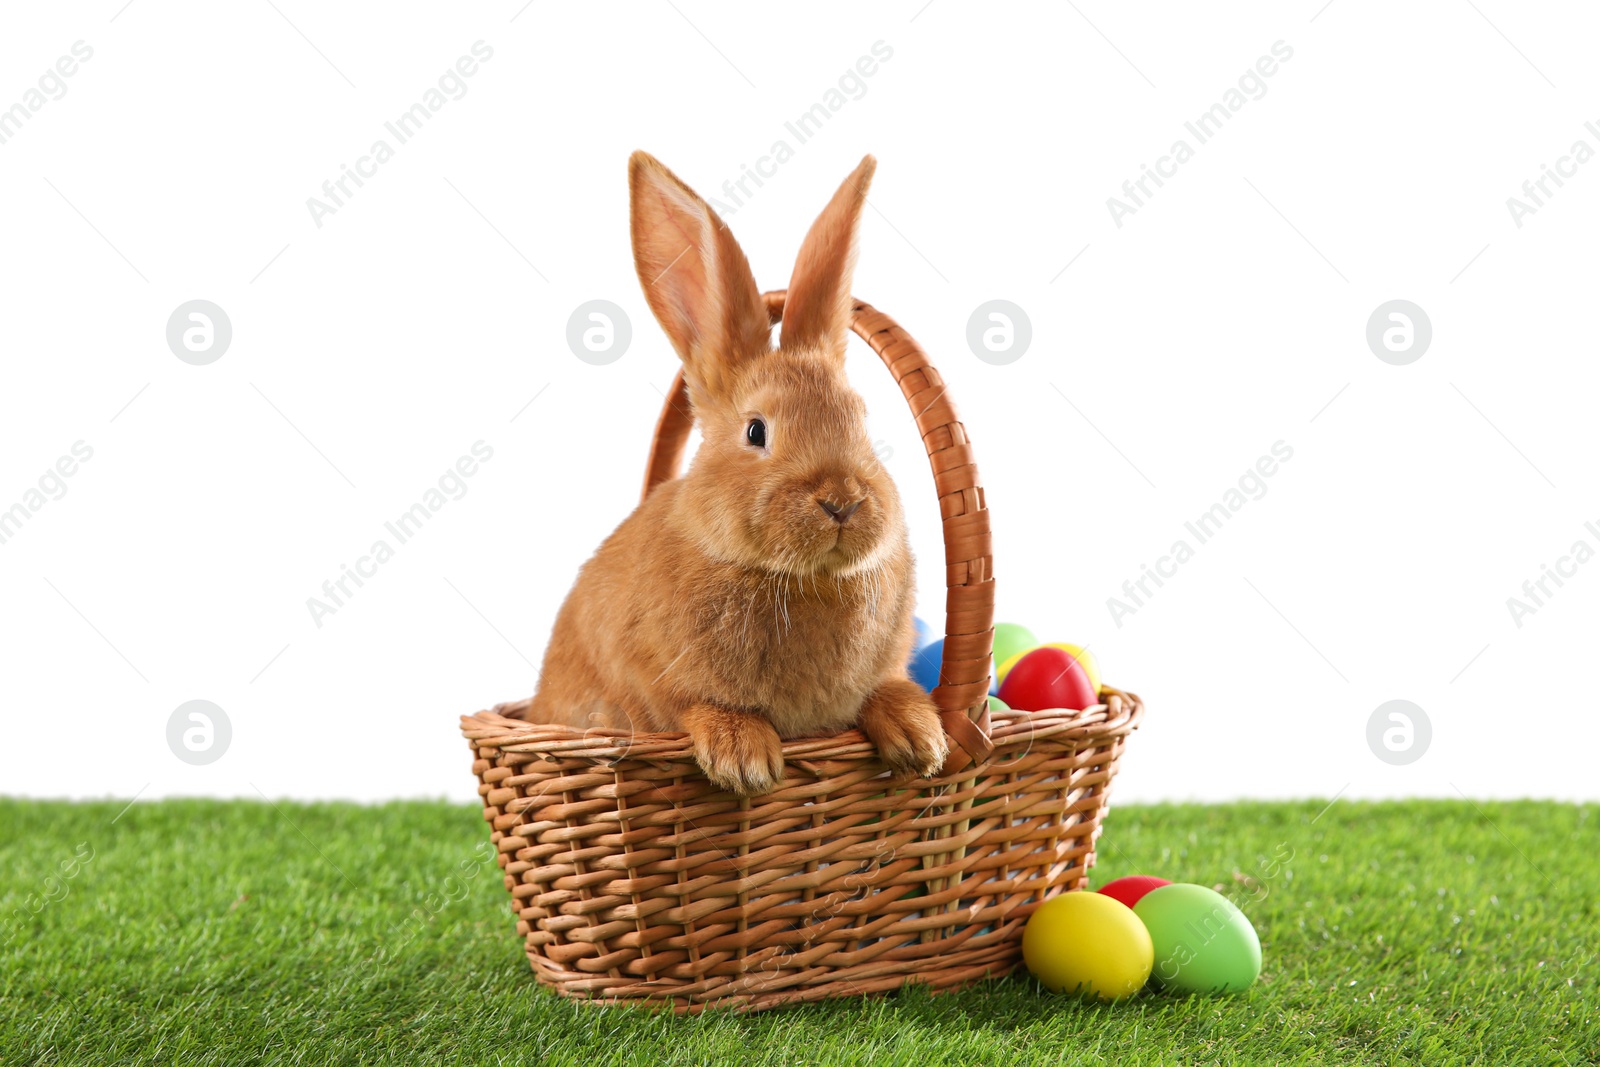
pixel 1227 314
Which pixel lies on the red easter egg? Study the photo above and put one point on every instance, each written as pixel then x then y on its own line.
pixel 1130 889
pixel 1048 678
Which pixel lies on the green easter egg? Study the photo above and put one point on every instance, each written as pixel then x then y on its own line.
pixel 1203 942
pixel 1010 639
pixel 996 704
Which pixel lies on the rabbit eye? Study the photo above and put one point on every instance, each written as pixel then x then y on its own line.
pixel 756 433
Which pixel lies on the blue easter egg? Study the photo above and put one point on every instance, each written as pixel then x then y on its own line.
pixel 924 633
pixel 925 664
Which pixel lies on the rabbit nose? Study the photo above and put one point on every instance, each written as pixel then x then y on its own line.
pixel 840 512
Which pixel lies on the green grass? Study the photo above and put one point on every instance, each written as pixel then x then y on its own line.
pixel 237 932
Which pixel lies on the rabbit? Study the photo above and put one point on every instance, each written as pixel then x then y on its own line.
pixel 767 593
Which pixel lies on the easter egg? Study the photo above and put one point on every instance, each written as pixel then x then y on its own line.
pixel 996 704
pixel 1085 660
pixel 1084 657
pixel 1203 943
pixel 924 633
pixel 1011 639
pixel 1005 665
pixel 1087 943
pixel 1048 678
pixel 1129 890
pixel 925 663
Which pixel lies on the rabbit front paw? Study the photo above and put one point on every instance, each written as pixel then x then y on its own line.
pixel 902 721
pixel 739 750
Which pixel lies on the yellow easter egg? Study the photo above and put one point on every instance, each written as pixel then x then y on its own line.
pixel 1004 669
pixel 1088 943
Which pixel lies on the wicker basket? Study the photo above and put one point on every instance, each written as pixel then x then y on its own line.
pixel 635 880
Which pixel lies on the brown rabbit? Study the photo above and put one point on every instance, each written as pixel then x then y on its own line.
pixel 767 593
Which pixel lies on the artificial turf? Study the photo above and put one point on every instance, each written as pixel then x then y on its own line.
pixel 215 932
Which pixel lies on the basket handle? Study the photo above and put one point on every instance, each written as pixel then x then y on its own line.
pixel 963 693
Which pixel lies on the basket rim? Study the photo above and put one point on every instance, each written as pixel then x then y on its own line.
pixel 1120 714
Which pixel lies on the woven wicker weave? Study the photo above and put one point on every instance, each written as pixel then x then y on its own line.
pixel 635 880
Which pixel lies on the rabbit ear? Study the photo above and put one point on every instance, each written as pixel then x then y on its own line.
pixel 817 310
pixel 695 276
